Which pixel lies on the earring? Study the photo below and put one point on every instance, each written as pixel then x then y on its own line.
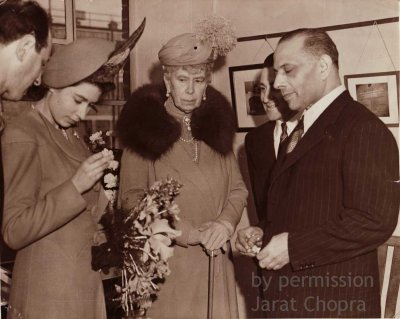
pixel 167 94
pixel 204 97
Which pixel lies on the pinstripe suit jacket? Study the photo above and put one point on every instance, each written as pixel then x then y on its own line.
pixel 335 194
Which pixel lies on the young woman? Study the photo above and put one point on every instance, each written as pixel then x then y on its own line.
pixel 52 196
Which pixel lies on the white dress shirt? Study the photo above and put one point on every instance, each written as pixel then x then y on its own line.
pixel 312 113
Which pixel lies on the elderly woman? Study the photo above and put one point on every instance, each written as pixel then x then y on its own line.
pixel 52 196
pixel 186 132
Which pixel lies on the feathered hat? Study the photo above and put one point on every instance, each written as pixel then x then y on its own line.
pixel 213 36
pixel 85 58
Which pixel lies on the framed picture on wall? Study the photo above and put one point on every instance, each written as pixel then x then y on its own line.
pixel 379 92
pixel 245 91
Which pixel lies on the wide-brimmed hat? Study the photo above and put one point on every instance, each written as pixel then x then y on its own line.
pixel 97 59
pixel 213 36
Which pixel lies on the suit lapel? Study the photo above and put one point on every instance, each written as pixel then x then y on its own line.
pixel 318 131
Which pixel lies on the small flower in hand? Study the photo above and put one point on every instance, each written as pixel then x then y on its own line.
pixel 110 180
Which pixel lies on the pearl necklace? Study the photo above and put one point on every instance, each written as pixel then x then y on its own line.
pixel 191 140
pixel 196 147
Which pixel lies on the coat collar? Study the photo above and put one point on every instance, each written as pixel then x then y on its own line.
pixel 74 148
pixel 321 129
pixel 145 127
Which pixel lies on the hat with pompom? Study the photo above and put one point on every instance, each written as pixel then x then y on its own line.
pixel 213 36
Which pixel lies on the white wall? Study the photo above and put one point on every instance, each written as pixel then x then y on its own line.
pixel 361 50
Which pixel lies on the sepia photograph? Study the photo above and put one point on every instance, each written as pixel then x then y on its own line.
pixel 199 159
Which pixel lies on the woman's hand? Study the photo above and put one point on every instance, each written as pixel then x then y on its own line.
pixel 213 235
pixel 90 171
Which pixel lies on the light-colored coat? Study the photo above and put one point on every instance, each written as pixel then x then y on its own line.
pixel 212 190
pixel 49 223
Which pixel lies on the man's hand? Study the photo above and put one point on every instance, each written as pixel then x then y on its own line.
pixel 248 241
pixel 276 254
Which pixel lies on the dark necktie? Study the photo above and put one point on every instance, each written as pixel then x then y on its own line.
pixel 295 137
pixel 289 143
pixel 284 135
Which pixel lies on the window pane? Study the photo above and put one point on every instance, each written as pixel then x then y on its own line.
pixel 56 10
pixel 101 19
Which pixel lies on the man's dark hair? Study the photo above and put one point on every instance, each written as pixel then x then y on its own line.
pixel 19 18
pixel 316 42
pixel 269 61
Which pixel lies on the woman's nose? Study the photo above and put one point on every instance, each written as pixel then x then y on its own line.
pixel 190 88
pixel 82 111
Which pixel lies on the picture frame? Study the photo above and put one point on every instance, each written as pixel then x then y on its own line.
pixel 378 92
pixel 244 84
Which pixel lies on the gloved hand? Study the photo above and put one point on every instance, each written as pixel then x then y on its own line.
pixel 214 234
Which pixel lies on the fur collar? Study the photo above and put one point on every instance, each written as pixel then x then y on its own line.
pixel 145 127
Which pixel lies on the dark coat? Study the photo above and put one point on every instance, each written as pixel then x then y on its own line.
pixel 336 196
pixel 260 152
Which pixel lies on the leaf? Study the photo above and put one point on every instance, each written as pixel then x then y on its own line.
pixel 162 226
pixel 160 244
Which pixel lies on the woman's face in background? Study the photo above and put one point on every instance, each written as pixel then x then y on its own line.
pixel 70 105
pixel 187 86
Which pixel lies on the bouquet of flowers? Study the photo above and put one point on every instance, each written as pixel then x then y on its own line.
pixel 138 241
pixel 146 245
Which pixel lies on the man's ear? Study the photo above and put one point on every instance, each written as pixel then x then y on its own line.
pixel 325 65
pixel 25 45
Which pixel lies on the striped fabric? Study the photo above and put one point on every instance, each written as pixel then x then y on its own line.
pixel 336 195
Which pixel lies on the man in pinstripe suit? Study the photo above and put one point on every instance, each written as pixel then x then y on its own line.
pixel 333 199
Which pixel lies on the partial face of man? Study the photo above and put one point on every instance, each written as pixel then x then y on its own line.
pixel 298 74
pixel 271 98
pixel 28 67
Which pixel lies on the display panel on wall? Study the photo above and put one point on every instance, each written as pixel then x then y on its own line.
pixel 245 90
pixel 379 92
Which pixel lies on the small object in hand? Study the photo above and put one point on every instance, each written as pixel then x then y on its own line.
pixel 254 244
pixel 107 152
pixel 255 248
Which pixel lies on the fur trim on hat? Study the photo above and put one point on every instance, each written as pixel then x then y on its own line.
pixel 145 127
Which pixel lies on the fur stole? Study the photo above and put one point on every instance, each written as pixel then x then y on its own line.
pixel 145 127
